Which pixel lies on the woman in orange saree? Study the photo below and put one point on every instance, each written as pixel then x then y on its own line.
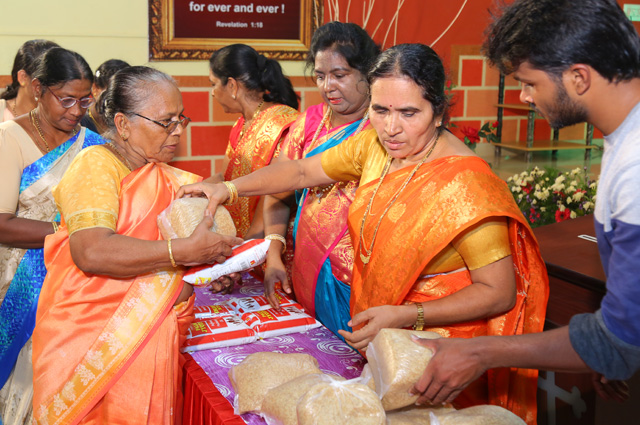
pixel 439 242
pixel 114 309
pixel 245 81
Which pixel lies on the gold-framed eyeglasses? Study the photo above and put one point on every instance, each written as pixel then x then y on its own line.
pixel 68 102
pixel 171 126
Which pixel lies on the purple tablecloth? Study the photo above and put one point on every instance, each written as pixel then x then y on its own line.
pixel 333 355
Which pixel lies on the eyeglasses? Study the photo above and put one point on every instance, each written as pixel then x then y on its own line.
pixel 68 102
pixel 172 125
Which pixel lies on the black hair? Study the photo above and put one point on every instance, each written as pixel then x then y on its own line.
pixel 58 66
pixel 129 91
pixel 349 40
pixel 552 35
pixel 27 60
pixel 106 70
pixel 422 65
pixel 258 73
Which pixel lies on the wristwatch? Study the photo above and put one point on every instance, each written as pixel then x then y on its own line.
pixel 419 325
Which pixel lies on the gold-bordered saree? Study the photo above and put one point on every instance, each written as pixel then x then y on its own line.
pixel 254 150
pixel 105 350
pixel 444 198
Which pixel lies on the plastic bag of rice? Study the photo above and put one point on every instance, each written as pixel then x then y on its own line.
pixel 340 403
pixel 271 322
pixel 183 215
pixel 416 415
pixel 279 405
pixel 260 372
pixel 479 415
pixel 397 363
pixel 211 311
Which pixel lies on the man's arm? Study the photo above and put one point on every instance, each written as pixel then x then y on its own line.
pixel 459 361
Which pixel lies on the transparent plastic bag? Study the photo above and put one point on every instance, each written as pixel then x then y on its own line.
pixel 260 372
pixel 417 415
pixel 340 403
pixel 279 405
pixel 183 215
pixel 479 415
pixel 397 363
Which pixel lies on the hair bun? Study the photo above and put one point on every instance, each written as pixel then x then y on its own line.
pixel 262 61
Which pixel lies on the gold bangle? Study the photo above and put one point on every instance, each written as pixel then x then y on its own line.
pixel 277 237
pixel 173 261
pixel 419 325
pixel 233 193
pixel 55 226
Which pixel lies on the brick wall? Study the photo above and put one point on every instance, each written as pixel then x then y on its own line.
pixel 476 94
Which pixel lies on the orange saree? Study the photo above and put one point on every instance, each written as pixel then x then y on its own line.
pixel 257 147
pixel 445 198
pixel 105 350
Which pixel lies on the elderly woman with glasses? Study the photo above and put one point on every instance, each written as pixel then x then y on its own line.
pixel 114 309
pixel 35 150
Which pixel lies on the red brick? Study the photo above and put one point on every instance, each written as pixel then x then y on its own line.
pixel 219 164
pixel 471 72
pixel 491 76
pixel 196 105
pixel 509 130
pixel 219 115
pixel 209 140
pixel 481 103
pixel 201 168
pixel 457 103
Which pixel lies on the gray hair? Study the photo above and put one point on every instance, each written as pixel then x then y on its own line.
pixel 129 92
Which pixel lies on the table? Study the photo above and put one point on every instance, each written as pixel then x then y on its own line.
pixel 208 397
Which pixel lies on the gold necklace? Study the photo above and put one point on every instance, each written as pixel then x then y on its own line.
pixel 36 125
pixel 318 191
pixel 244 124
pixel 115 150
pixel 13 108
pixel 366 256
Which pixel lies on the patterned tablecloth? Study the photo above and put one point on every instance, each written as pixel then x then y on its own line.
pixel 333 355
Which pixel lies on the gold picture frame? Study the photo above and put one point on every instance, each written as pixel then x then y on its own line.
pixel 165 46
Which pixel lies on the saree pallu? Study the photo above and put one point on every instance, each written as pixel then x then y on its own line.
pixel 257 147
pixel 323 254
pixel 105 350
pixel 444 198
pixel 23 272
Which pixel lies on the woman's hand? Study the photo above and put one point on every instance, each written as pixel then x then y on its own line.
pixel 216 193
pixel 376 318
pixel 225 284
pixel 275 272
pixel 205 246
pixel 610 390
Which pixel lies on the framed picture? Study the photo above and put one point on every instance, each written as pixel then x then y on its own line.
pixel 192 30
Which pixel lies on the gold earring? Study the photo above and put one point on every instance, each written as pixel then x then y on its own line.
pixel 233 96
pixel 123 137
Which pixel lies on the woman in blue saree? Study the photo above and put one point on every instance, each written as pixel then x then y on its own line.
pixel 35 150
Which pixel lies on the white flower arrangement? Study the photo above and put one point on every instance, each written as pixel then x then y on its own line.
pixel 547 195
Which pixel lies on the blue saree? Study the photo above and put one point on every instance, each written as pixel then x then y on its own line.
pixel 18 309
